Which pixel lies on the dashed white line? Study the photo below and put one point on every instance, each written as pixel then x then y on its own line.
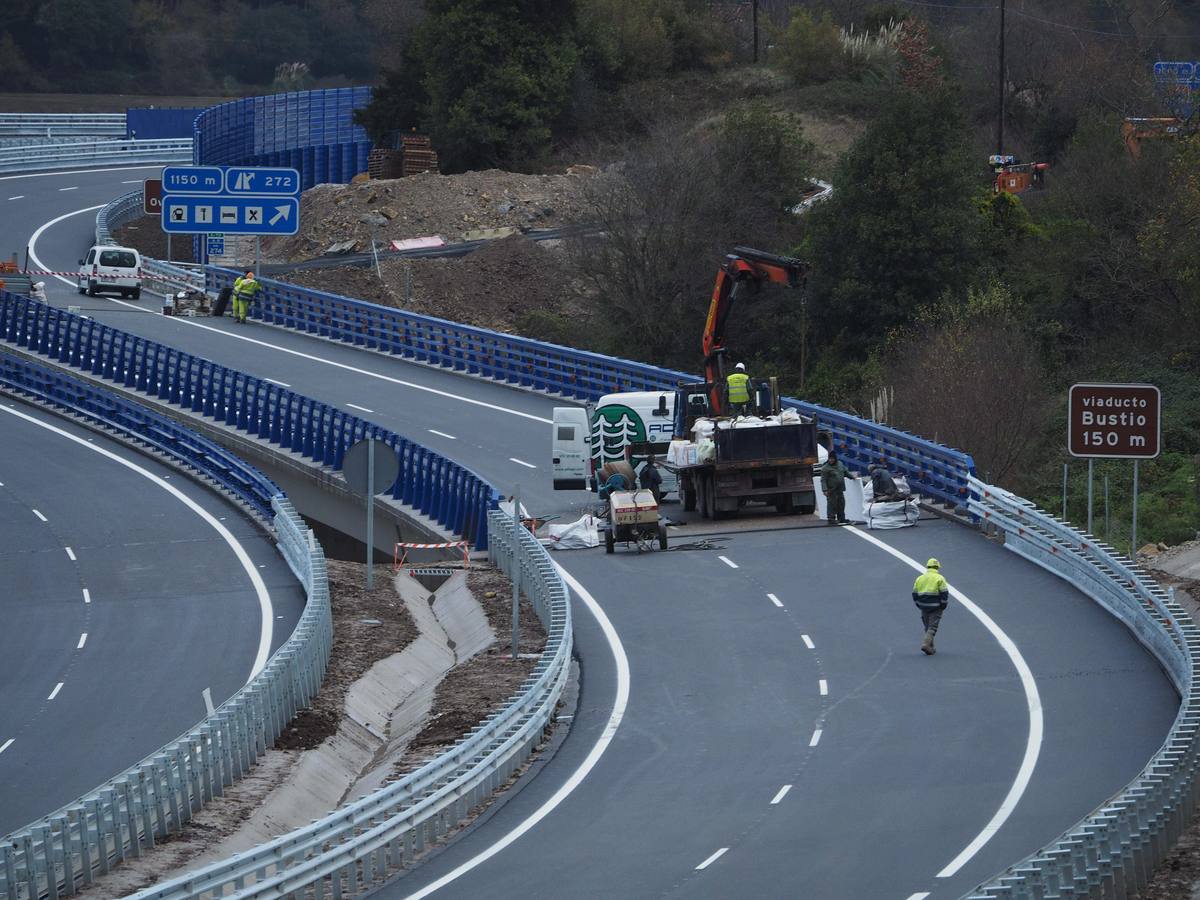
pixel 712 859
pixel 208 704
pixel 442 434
pixel 70 553
pixel 6 744
pixel 920 895
pixel 54 693
pixel 363 408
pixel 75 188
pixel 808 642
pixel 134 181
pixel 815 739
pixel 521 462
pixel 82 641
pixel 280 383
pixel 87 598
pixel 40 516
pixel 782 793
pixel 824 687
pixel 775 600
pixel 729 562
pixel 18 197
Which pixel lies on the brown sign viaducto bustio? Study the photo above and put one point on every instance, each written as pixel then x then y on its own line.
pixel 152 196
pixel 1114 421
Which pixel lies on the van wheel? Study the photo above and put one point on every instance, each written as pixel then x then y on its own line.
pixel 136 293
pixel 79 287
pixel 91 289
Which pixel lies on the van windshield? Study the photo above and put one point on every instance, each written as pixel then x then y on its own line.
pixel 120 259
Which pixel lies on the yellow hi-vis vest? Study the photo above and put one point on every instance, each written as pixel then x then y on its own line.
pixel 739 387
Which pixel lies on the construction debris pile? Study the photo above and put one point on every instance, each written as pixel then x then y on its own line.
pixel 451 206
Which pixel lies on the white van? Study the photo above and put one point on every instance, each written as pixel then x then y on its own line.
pixel 107 268
pixel 631 425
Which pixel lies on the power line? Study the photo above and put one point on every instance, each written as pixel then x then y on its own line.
pixel 1063 26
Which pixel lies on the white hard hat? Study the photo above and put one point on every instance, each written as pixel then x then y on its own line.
pixel 741 367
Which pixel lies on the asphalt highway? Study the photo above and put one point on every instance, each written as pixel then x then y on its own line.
pixel 782 736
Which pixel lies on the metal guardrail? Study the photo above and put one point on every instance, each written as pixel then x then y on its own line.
pixel 53 124
pixel 62 852
pixel 94 153
pixel 1112 852
pixel 935 471
pixel 450 494
pixel 364 842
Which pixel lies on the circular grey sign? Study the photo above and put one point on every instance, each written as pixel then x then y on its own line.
pixel 355 462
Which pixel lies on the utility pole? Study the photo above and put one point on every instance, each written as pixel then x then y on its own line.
pixel 754 21
pixel 1000 121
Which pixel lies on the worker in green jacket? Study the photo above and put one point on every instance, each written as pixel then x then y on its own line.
pixel 931 593
pixel 245 291
pixel 737 387
pixel 833 485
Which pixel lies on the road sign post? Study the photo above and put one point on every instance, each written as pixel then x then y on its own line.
pixel 370 466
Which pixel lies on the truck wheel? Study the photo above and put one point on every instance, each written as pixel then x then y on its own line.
pixel 662 536
pixel 688 493
pixel 783 505
pixel 609 541
pixel 806 509
pixel 704 500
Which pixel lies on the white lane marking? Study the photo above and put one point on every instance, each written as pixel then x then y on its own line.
pixel 712 859
pixel 54 693
pixel 260 343
pixel 920 895
pixel 132 181
pixel 208 704
pixel 70 553
pixel 260 588
pixel 521 462
pixel 815 739
pixel 442 434
pixel 775 600
pixel 824 685
pixel 82 641
pixel 40 516
pixel 782 793
pixel 363 408
pixel 81 172
pixel 808 642
pixel 6 744
pixel 729 562
pixel 1033 745
pixel 620 701
pixel 18 197
pixel 75 188
pixel 280 383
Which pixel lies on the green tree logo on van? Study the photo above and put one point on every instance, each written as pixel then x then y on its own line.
pixel 613 428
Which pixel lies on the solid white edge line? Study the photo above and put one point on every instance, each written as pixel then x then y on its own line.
pixel 778 798
pixel 82 641
pixel 775 600
pixel 87 598
pixel 54 693
pixel 824 686
pixel 521 462
pixel 81 172
pixel 40 516
pixel 712 859
pixel 280 383
pixel 260 588
pixel 6 744
pixel 729 562
pixel 1033 701
pixel 620 702
pixel 183 320
pixel 362 408
pixel 70 553
pixel 808 642
pixel 442 434
pixel 815 739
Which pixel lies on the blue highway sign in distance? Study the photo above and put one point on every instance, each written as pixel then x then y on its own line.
pixel 185 214
pixel 193 180
pixel 264 182
pixel 215 245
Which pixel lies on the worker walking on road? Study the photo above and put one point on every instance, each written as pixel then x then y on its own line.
pixel 737 387
pixel 833 486
pixel 245 291
pixel 931 593
pixel 651 479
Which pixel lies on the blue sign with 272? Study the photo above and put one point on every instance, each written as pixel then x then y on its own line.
pixel 263 182
pixel 189 214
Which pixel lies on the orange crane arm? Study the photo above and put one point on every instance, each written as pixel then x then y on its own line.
pixel 742 269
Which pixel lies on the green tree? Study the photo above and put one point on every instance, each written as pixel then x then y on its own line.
pixel 625 41
pixel 902 227
pixel 809 49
